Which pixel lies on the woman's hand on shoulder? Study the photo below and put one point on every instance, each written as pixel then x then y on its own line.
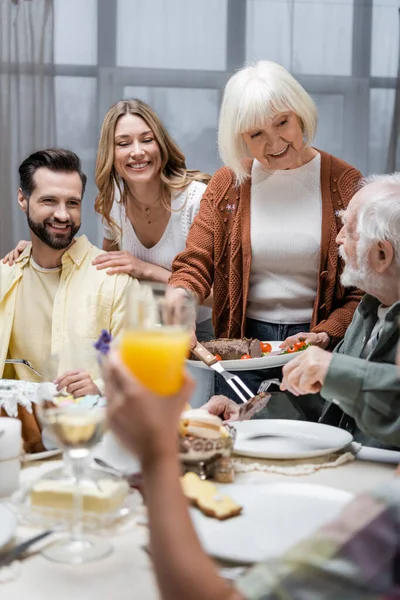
pixel 12 256
pixel 322 340
pixel 121 261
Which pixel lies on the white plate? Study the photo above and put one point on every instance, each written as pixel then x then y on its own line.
pixel 288 438
pixel 8 526
pixel 274 518
pixel 252 364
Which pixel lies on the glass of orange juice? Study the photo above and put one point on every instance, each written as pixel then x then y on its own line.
pixel 156 340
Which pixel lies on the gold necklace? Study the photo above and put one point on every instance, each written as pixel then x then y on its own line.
pixel 148 207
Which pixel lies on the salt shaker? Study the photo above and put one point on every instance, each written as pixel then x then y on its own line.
pixel 224 471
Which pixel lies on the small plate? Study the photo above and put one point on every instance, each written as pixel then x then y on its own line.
pixel 275 517
pixel 288 439
pixel 252 364
pixel 8 526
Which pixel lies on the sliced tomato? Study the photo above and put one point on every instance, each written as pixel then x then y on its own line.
pixel 290 350
pixel 300 345
pixel 265 347
pixel 218 356
pixel 245 356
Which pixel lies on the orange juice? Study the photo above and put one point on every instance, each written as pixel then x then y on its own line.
pixel 156 357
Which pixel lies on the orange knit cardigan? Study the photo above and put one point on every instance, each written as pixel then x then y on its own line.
pixel 218 252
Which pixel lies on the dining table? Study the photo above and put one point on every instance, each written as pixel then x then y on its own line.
pixel 127 573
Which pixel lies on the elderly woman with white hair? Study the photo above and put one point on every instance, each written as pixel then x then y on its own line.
pixel 264 238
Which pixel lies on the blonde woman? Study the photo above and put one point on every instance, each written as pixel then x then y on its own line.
pixel 265 235
pixel 147 198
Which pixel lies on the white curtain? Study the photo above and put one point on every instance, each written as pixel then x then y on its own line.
pixel 27 111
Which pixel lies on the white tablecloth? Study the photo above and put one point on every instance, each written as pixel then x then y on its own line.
pixel 127 573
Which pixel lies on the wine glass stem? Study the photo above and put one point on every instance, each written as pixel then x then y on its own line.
pixel 78 468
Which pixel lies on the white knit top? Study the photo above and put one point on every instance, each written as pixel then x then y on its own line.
pixel 174 237
pixel 286 214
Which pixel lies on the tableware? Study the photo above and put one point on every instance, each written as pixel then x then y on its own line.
pixel 259 401
pixel 383 455
pixel 238 386
pixel 112 511
pixel 156 339
pixel 105 465
pixel 275 517
pixel 194 450
pixel 112 452
pixel 8 525
pixel 268 361
pixel 22 361
pixel 288 439
pixel 8 557
pixel 77 428
pixel 41 455
pixel 10 455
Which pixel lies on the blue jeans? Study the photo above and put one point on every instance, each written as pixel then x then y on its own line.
pixel 283 405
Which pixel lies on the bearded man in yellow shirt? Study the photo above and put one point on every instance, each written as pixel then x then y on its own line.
pixel 53 301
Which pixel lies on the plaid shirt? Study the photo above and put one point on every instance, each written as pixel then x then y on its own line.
pixel 355 557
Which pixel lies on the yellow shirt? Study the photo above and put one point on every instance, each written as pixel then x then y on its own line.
pixel 34 304
pixel 86 301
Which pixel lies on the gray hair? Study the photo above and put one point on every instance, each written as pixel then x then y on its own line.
pixel 378 216
pixel 253 95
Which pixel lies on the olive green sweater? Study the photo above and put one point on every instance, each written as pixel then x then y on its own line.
pixel 367 390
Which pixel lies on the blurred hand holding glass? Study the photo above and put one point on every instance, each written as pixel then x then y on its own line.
pixel 157 335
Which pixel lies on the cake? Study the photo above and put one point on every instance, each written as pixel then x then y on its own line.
pixel 101 496
pixel 207 498
pixel 199 423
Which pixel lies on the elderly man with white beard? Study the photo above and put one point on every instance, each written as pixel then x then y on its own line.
pixel 359 379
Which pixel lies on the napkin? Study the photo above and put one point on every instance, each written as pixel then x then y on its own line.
pixel 376 454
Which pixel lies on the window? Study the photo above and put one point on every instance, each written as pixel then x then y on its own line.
pixel 385 38
pixel 178 34
pixel 75 32
pixel 77 130
pixel 191 117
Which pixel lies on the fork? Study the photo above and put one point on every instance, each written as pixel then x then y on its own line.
pixel 22 361
pixel 265 385
pixel 238 386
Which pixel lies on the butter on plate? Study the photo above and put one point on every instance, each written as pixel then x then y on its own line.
pixel 106 495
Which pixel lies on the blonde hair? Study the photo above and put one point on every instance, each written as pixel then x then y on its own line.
pixel 173 173
pixel 252 96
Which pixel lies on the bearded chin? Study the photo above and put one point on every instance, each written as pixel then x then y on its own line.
pixel 52 241
pixel 352 277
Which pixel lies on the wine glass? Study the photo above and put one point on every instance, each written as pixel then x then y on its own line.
pixel 156 338
pixel 76 429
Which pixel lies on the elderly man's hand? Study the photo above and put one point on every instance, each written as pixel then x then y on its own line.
pixel 221 406
pixel 306 373
pixel 146 423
